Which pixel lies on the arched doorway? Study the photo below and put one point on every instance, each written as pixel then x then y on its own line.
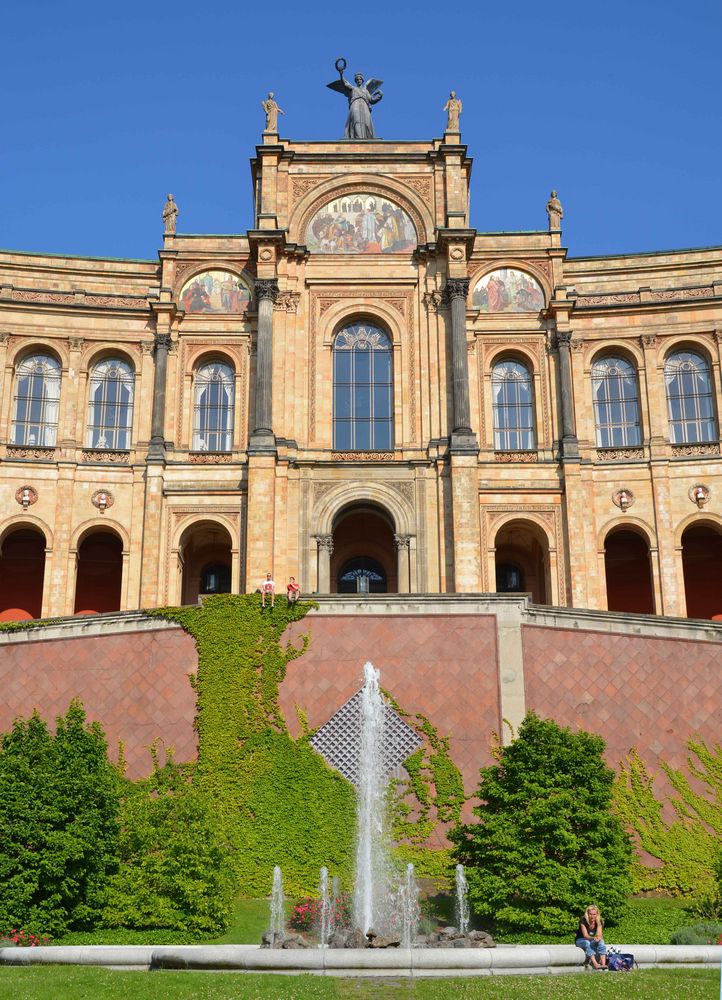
pixel 364 556
pixel 99 574
pixel 22 573
pixel 701 562
pixel 522 561
pixel 206 561
pixel 628 572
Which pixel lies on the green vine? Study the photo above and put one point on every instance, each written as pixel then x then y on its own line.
pixel 682 833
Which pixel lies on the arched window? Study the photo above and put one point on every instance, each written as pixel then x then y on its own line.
pixel 513 406
pixel 616 403
pixel 110 404
pixel 689 398
pixel 213 401
pixel 362 389
pixel 37 399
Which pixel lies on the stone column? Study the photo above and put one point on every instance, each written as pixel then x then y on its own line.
pixel 403 545
pixel 570 445
pixel 325 550
pixel 457 290
pixel 266 294
pixel 156 451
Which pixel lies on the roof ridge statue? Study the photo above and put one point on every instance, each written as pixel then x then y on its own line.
pixel 361 95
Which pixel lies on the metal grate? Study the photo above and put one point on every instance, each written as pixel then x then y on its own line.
pixel 338 739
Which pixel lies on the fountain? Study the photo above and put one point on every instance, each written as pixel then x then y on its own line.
pixel 326 912
pixel 410 909
pixel 462 900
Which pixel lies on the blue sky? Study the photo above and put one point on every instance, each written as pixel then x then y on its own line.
pixel 109 107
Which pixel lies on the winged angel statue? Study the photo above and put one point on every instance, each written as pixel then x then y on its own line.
pixel 360 98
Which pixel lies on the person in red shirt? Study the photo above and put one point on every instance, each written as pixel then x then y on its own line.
pixel 293 590
pixel 268 589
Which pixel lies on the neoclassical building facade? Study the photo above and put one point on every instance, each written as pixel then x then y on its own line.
pixel 366 393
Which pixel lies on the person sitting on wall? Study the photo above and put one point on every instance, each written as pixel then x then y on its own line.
pixel 293 590
pixel 589 939
pixel 268 589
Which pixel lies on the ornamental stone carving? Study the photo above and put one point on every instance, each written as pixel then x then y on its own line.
pixel 619 454
pixel 623 499
pixel 102 499
pixel 26 496
pixel 37 454
pixel 100 455
pixel 210 457
pixel 163 341
pixel 266 288
pixel 361 456
pixel 563 338
pixel 432 300
pixel 325 543
pixel 699 494
pixel 649 340
pixel 287 301
pixel 516 456
pixel 76 343
pixel 402 541
pixel 456 288
pixel 695 449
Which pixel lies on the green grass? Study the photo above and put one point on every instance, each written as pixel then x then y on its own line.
pixel 103 984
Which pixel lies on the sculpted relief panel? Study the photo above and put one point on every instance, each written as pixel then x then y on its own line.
pixel 361 223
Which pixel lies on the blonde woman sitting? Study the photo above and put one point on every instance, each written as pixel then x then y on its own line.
pixel 589 939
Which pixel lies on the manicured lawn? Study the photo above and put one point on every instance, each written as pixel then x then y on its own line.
pixel 103 984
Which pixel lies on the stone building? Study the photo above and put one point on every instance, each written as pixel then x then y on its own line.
pixel 366 393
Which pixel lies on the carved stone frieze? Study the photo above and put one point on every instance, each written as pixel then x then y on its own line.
pixel 619 454
pixel 36 454
pixel 101 456
pixel 516 456
pixel 287 301
pixel 362 456
pixel 210 457
pixel 675 294
pixel 696 449
pixel 422 185
pixel 301 185
pixel 78 298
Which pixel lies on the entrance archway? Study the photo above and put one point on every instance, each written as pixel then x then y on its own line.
pixel 628 572
pixel 99 574
pixel 522 560
pixel 701 562
pixel 22 573
pixel 206 560
pixel 364 554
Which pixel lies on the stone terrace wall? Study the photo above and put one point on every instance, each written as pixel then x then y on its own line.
pixel 131 675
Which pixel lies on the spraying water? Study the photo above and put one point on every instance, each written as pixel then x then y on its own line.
pixel 462 900
pixel 410 909
pixel 277 905
pixel 326 914
pixel 372 896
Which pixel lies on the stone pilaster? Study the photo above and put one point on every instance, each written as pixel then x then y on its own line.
pixel 262 438
pixel 403 550
pixel 466 522
pixel 324 544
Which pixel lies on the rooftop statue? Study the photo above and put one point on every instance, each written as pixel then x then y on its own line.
pixel 360 98
pixel 272 112
pixel 453 111
pixel 170 215
pixel 554 211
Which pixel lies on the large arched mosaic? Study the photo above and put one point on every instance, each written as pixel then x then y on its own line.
pixel 361 223
pixel 508 290
pixel 215 292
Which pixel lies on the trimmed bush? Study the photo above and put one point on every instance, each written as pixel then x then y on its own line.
pixel 709 932
pixel 546 844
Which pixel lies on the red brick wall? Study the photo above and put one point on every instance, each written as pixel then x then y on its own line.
pixel 442 665
pixel 632 690
pixel 135 684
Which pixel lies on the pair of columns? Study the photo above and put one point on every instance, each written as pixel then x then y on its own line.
pixel 324 548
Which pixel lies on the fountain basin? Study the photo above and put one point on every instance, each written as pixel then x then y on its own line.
pixel 393 962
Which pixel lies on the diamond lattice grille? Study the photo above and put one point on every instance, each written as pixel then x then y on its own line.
pixel 338 739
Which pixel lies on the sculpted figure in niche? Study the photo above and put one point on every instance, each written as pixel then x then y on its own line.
pixel 360 98
pixel 453 109
pixel 554 211
pixel 272 112
pixel 170 215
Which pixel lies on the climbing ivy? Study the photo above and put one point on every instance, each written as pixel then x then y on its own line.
pixel 683 830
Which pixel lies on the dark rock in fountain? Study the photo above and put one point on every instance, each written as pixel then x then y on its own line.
pixel 379 941
pixel 271 940
pixel 356 939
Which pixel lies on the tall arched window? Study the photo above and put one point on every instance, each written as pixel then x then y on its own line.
pixel 362 389
pixel 213 400
pixel 513 406
pixel 616 403
pixel 110 404
pixel 37 399
pixel 689 398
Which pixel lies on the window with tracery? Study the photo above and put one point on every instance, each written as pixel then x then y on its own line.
pixel 110 404
pixel 513 403
pixel 689 398
pixel 37 401
pixel 615 394
pixel 362 389
pixel 213 406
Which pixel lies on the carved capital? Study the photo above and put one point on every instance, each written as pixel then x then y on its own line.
pixel 432 300
pixel 287 302
pixel 402 541
pixel 649 340
pixel 162 341
pixel 325 543
pixel 564 338
pixel 76 343
pixel 266 288
pixel 456 288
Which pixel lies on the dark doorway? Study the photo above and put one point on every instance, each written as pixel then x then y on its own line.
pixel 522 561
pixel 509 579
pixel 364 553
pixel 702 565
pixel 99 574
pixel 206 558
pixel 22 572
pixel 628 572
